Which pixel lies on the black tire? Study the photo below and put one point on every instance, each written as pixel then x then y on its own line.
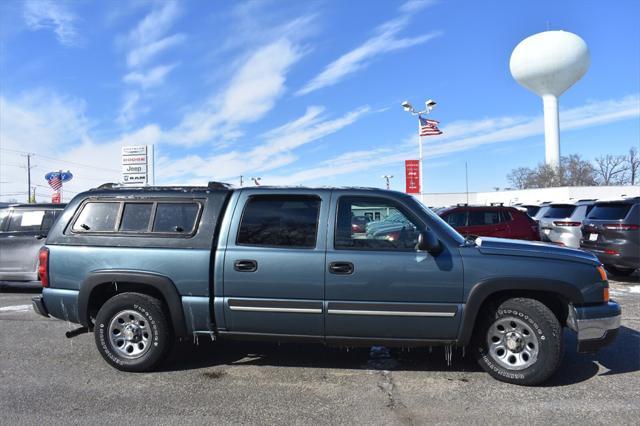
pixel 621 272
pixel 145 334
pixel 527 351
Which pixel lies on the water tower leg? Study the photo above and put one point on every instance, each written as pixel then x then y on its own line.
pixel 551 130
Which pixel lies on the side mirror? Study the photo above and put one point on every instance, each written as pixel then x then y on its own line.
pixel 428 242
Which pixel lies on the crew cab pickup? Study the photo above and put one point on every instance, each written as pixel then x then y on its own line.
pixel 144 267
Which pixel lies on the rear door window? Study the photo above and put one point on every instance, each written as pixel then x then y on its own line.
pixel 457 219
pixel 483 217
pixel 97 216
pixel 135 217
pixel 176 217
pixel 26 221
pixel 610 211
pixel 280 221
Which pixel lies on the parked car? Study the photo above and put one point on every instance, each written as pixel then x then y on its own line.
pixel 611 231
pixel 359 224
pixel 491 221
pixel 23 228
pixel 561 223
pixel 141 267
pixel 530 209
pixel 542 209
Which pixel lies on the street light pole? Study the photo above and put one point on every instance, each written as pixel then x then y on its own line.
pixel 429 105
pixel 256 180
pixel 387 178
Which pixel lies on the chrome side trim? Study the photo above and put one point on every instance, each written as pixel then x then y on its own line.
pixel 264 309
pixel 390 313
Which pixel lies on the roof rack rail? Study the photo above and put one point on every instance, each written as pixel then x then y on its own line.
pixel 496 204
pixel 108 185
pixel 462 205
pixel 218 185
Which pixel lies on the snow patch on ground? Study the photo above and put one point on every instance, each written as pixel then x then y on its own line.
pixel 15 308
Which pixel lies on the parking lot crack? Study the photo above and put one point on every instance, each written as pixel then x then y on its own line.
pixel 394 402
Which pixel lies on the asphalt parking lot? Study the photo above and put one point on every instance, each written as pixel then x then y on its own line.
pixel 45 377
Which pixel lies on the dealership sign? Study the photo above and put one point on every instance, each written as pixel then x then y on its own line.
pixel 412 176
pixel 137 163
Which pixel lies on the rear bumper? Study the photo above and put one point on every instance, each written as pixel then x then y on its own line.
pixel 39 307
pixel 597 325
pixel 627 257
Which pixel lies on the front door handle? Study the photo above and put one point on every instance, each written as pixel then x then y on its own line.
pixel 245 265
pixel 341 268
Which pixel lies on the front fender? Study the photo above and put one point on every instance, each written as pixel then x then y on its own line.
pixel 481 291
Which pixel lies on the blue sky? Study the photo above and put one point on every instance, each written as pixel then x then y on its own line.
pixel 300 92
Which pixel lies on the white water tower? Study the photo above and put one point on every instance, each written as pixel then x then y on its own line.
pixel 548 64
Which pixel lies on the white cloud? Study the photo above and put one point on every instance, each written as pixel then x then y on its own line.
pixel 144 53
pixel 54 16
pixel 56 129
pixel 275 150
pixel 250 94
pixel 145 43
pixel 466 135
pixel 151 78
pixel 384 40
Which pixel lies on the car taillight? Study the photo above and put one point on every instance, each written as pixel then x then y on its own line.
pixel 564 223
pixel 621 227
pixel 611 251
pixel 43 266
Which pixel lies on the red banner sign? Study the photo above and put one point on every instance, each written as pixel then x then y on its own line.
pixel 55 198
pixel 412 176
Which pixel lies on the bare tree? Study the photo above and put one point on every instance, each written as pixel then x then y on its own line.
pixel 520 178
pixel 611 169
pixel 632 163
pixel 577 172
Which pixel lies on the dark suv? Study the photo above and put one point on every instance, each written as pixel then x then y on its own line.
pixel 611 231
pixel 23 228
pixel 491 221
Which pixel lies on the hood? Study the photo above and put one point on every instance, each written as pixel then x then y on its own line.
pixel 505 247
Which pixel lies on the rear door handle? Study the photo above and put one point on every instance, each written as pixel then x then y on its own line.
pixel 341 268
pixel 245 265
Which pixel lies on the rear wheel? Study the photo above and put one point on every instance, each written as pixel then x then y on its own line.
pixel 520 342
pixel 621 272
pixel 132 332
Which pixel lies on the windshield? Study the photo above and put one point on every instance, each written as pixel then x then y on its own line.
pixel 444 226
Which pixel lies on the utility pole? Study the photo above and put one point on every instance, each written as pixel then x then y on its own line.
pixel 29 167
pixel 241 182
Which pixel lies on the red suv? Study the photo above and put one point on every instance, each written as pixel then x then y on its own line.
pixel 491 221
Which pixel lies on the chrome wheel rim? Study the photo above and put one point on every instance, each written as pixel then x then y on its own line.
pixel 130 334
pixel 512 343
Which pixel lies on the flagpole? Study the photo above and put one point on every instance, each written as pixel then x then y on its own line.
pixel 420 160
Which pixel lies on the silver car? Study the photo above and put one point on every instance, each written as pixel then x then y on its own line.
pixel 560 223
pixel 23 229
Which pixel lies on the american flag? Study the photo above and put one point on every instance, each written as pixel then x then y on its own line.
pixel 429 127
pixel 55 182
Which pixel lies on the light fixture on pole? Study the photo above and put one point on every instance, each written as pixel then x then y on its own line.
pixel 387 178
pixel 256 180
pixel 429 105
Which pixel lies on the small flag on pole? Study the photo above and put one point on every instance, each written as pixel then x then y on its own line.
pixel 55 182
pixel 429 127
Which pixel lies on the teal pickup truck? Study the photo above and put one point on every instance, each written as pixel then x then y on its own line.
pixel 144 267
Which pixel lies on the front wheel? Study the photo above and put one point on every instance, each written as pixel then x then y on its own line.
pixel 132 332
pixel 520 342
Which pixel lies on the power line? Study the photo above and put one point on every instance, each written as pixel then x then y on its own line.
pixel 59 159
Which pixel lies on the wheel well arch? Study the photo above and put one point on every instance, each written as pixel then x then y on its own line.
pixel 100 286
pixel 556 295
